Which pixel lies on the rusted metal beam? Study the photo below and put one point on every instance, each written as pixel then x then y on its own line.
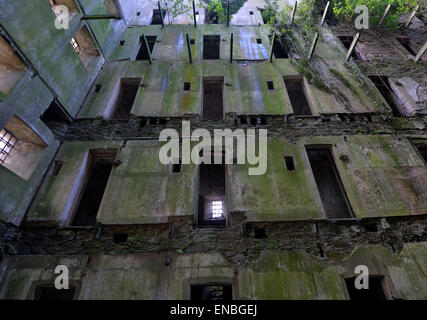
pixel 231 48
pixel 352 47
pixel 101 17
pixel 161 13
pixel 294 12
pixel 385 14
pixel 273 38
pixel 325 12
pixel 313 46
pixel 148 48
pixel 421 53
pixel 228 13
pixel 411 17
pixel 189 49
pixel 194 14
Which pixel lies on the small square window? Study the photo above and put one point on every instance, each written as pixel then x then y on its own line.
pixel 192 41
pixel 270 85
pixel 120 237
pixel 138 14
pixel 251 13
pixel 187 86
pixel 289 162
pixel 98 88
pixel 122 42
pixel 259 41
pixel 260 233
pixel 176 167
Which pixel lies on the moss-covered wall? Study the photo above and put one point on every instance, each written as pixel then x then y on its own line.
pixel 382 176
pixel 54 71
pixel 58 194
pixel 275 275
pixel 245 89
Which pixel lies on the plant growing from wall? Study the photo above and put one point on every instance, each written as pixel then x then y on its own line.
pixel 214 11
pixel 270 11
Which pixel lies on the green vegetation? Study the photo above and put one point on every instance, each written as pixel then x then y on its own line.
pixel 344 10
pixel 216 10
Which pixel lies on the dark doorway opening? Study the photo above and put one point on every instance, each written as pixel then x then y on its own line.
pixel 211 47
pixel 383 85
pixel 375 291
pixel 100 165
pixel 54 113
pixel 51 293
pixel 296 93
pixel 157 18
pixel 328 182
pixel 406 43
pixel 422 149
pixel 143 53
pixel 212 195
pixel 128 90
pixel 213 108
pixel 347 41
pixel 279 49
pixel 211 292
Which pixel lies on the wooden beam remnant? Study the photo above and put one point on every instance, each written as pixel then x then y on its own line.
pixel 231 48
pixel 313 46
pixel 294 12
pixel 147 47
pixel 189 49
pixel 352 47
pixel 161 14
pixel 385 14
pixel 325 12
pixel 421 53
pixel 411 17
pixel 194 14
pixel 273 38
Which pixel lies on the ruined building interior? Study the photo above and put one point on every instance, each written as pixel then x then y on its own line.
pixel 81 184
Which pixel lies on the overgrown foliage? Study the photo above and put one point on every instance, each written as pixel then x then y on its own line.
pixel 216 10
pixel 174 8
pixel 345 10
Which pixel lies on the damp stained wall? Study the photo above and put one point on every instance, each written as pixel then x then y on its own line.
pixel 382 176
pixel 274 275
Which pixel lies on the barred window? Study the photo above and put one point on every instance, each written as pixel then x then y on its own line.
pixel 7 141
pixel 217 209
pixel 75 45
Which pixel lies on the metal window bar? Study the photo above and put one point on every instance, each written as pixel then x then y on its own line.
pixel 7 142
